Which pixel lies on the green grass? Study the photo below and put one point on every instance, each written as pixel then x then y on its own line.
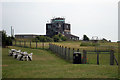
pixel 46 64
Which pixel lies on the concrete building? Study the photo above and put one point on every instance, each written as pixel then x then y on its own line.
pixel 57 26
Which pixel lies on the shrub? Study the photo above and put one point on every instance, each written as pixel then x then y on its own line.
pixel 63 38
pixel 42 39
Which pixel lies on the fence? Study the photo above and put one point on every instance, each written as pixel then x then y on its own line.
pixel 30 44
pixel 96 56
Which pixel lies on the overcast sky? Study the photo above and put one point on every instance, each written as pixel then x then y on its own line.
pixel 90 17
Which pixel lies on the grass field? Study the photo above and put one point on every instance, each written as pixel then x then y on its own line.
pixel 46 64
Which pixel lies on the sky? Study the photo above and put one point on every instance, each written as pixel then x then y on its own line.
pixel 90 17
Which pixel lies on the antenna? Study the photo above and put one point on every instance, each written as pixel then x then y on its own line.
pixel 11 30
pixel 13 33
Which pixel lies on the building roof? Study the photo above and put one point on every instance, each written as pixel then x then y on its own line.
pixel 27 35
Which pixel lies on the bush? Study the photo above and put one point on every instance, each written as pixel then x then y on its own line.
pixel 59 37
pixel 63 38
pixel 56 38
pixel 42 39
pixel 49 39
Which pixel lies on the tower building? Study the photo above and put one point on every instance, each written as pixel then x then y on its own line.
pixel 58 25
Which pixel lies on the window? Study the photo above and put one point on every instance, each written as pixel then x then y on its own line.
pixel 49 26
pixel 67 26
pixel 67 32
pixel 59 25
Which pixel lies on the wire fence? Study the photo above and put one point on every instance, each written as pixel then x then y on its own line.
pixel 30 44
pixel 97 56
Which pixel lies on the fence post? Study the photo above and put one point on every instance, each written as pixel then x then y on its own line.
pixel 15 42
pixel 20 43
pixel 68 53
pixel 43 45
pixel 24 43
pixel 77 50
pixel 72 54
pixel 57 49
pixel 30 44
pixel 73 51
pixel 36 44
pixel 53 47
pixel 49 45
pixel 97 57
pixel 111 57
pixel 65 52
pixel 84 56
pixel 62 51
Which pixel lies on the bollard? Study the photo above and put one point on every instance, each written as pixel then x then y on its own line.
pixel 77 58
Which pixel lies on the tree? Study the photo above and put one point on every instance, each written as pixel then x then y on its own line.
pixel 6 41
pixel 85 38
pixel 109 40
pixel 4 36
